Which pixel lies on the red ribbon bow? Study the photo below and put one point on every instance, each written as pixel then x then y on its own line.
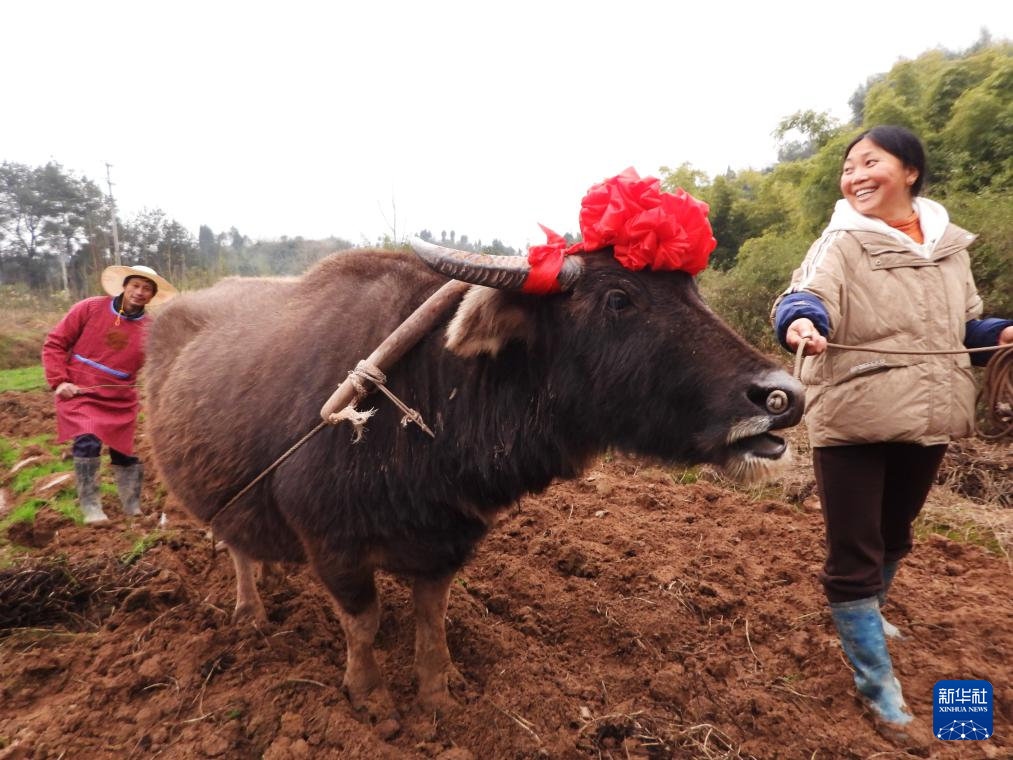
pixel 645 227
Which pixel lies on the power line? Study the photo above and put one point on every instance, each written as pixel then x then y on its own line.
pixel 112 216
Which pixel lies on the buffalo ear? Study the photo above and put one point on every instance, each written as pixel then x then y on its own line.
pixel 487 320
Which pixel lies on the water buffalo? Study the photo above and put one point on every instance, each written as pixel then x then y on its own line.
pixel 519 389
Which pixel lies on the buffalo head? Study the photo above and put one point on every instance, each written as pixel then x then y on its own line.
pixel 632 359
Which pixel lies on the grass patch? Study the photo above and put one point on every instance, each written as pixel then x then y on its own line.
pixel 684 477
pixel 11 450
pixel 26 478
pixel 23 379
pixel 8 452
pixel 25 319
pixel 23 513
pixel 44 441
pixel 968 533
pixel 142 545
pixel 66 504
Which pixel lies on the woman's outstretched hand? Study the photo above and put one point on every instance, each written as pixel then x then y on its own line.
pixel 803 328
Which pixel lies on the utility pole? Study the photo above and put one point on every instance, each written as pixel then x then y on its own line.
pixel 112 217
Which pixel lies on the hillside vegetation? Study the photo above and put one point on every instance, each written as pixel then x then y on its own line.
pixel 55 234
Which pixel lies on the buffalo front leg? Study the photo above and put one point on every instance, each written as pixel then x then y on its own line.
pixel 433 667
pixel 249 606
pixel 358 609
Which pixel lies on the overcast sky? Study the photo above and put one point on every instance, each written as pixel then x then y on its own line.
pixel 315 119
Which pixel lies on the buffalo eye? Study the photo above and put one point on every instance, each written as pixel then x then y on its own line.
pixel 617 300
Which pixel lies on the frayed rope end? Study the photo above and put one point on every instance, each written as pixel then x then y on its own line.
pixel 353 415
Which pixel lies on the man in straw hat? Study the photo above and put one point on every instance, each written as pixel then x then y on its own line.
pixel 91 360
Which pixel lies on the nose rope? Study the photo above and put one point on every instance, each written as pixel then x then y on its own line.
pixel 996 385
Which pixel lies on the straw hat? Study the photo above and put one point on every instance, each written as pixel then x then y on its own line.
pixel 114 277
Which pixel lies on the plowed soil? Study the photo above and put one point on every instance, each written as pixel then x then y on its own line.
pixel 618 615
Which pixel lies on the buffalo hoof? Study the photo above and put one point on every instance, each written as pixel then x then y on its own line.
pixel 375 706
pixel 435 697
pixel 436 701
pixel 387 729
pixel 250 612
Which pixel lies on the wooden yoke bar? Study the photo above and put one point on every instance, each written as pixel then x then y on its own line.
pixel 398 343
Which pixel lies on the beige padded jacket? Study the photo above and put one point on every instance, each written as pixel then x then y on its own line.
pixel 883 290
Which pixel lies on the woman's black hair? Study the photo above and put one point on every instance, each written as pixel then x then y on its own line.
pixel 899 142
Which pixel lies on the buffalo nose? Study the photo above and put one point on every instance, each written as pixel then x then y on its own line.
pixel 779 395
pixel 777 401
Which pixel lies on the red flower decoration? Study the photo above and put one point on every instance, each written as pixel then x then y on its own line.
pixel 645 227
pixel 546 261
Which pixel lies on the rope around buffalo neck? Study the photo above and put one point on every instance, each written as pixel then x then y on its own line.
pixel 996 384
pixel 363 372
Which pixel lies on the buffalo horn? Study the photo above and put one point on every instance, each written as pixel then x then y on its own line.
pixel 503 272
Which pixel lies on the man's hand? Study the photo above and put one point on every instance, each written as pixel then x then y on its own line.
pixel 66 390
pixel 804 328
pixel 1006 336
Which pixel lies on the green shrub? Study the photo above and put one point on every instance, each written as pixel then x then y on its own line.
pixel 990 216
pixel 743 296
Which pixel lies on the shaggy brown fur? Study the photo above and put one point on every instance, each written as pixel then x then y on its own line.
pixel 529 389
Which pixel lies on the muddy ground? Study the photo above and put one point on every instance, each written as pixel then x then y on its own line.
pixel 618 615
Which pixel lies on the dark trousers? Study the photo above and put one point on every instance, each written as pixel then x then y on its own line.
pixel 870 494
pixel 89 446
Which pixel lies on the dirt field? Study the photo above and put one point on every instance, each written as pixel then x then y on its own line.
pixel 618 615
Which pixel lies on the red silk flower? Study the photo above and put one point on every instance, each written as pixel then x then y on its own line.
pixel 645 226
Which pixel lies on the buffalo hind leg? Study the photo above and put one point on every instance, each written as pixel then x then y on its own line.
pixel 358 609
pixel 249 606
pixel 433 666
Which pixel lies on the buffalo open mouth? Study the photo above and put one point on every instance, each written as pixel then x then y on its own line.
pixel 764 446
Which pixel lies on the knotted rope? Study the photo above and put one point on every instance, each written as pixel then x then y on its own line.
pixel 996 386
pixel 341 405
pixel 365 371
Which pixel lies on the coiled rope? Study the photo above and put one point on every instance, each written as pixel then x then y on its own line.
pixel 996 393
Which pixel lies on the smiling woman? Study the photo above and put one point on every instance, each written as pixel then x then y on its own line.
pixel 889 272
pixel 879 184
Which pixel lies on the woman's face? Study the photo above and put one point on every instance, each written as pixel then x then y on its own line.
pixel 876 183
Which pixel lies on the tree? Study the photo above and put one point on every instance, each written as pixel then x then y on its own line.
pixel 816 128
pixel 693 181
pixel 47 216
pixel 207 243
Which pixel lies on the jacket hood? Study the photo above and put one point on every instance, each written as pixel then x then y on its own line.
pixel 933 218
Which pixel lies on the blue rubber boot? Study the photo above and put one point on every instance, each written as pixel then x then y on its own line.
pixel 889 629
pixel 860 626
